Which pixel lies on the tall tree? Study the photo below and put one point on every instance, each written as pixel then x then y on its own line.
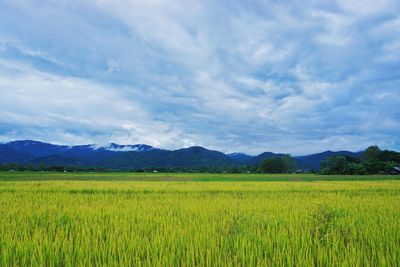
pixel 372 153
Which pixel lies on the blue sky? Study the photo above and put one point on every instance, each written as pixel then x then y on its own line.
pixel 249 76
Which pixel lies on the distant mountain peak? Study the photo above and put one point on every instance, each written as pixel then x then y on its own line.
pixel 27 142
pixel 237 154
pixel 124 148
pixel 196 147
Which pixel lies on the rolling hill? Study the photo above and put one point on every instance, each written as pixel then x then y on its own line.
pixel 115 156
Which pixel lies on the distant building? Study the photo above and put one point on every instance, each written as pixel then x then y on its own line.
pixel 395 170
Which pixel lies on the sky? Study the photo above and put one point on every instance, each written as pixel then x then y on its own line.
pixel 251 76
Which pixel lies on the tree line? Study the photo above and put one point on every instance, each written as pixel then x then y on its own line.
pixel 373 161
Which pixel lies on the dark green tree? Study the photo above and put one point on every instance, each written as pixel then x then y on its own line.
pixel 278 164
pixel 355 168
pixel 390 156
pixel 372 153
pixel 290 163
pixel 374 166
pixel 334 165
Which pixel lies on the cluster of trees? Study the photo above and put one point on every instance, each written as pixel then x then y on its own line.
pixel 278 164
pixel 374 161
pixel 44 167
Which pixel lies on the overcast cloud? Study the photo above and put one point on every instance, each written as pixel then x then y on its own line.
pixel 249 76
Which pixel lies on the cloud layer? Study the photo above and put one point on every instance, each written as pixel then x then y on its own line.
pixel 245 76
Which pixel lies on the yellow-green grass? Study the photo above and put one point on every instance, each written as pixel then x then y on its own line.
pixel 185 223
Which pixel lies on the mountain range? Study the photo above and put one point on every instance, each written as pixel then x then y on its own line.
pixel 115 156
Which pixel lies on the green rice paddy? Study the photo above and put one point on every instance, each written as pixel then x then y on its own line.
pixel 130 219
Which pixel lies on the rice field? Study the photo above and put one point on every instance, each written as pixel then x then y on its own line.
pixel 180 222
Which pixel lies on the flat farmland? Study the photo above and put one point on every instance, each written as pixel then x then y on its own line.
pixel 136 219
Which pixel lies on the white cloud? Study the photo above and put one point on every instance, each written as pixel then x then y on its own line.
pixel 367 7
pixel 336 29
pixel 234 76
pixel 78 109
